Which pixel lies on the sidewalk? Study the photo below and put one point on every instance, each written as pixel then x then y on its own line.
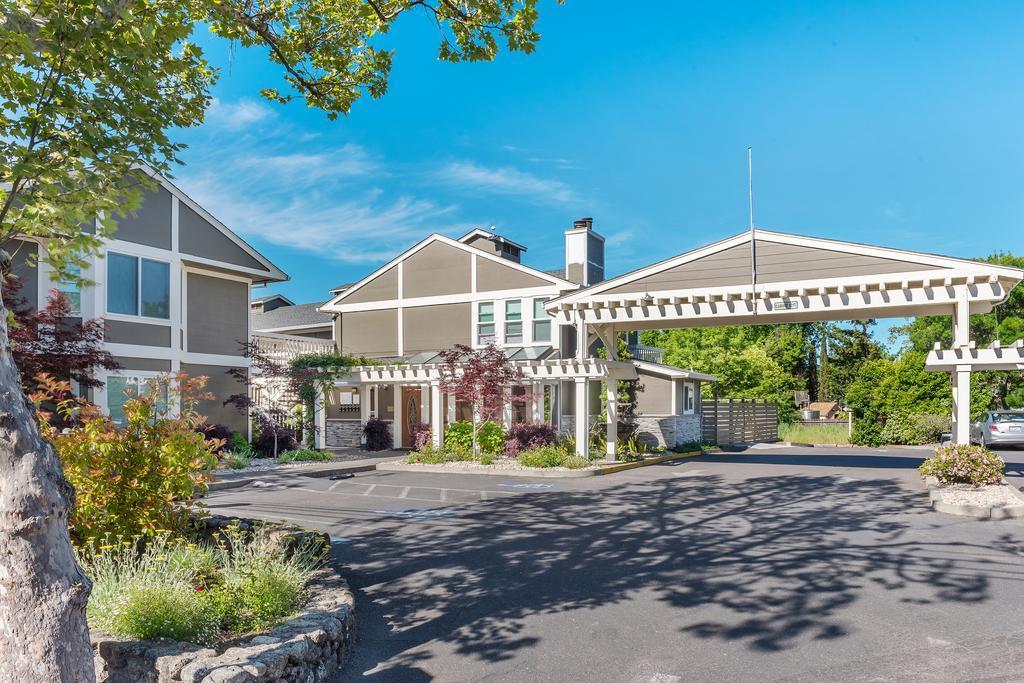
pixel 228 479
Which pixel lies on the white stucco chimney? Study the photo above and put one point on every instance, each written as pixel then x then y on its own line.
pixel 584 253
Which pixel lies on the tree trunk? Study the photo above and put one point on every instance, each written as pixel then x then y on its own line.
pixel 43 591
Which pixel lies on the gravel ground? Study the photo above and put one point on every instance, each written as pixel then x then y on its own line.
pixel 503 464
pixel 266 464
pixel 998 495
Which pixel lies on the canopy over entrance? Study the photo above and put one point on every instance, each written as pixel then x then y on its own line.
pixel 762 277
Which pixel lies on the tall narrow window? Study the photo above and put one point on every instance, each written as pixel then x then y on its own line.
pixel 514 321
pixel 688 402
pixel 485 323
pixel 541 322
pixel 71 289
pixel 138 286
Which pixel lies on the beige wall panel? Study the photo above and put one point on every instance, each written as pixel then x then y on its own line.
pixel 150 224
pixel 384 287
pixel 21 251
pixel 198 237
pixel 221 385
pixel 218 315
pixel 437 328
pixel 656 398
pixel 140 334
pixel 370 333
pixel 775 263
pixel 492 276
pixel 435 270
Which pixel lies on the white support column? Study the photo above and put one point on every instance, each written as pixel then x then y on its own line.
pixel 537 413
pixel 436 427
pixel 364 406
pixel 582 347
pixel 960 379
pixel 582 417
pixel 451 408
pixel 612 397
pixel 398 413
pixel 320 419
pixel 425 404
pixel 506 412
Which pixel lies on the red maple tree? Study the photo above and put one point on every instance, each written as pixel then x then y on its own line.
pixel 483 378
pixel 55 341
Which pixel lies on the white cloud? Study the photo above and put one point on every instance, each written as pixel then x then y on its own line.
pixel 364 226
pixel 235 116
pixel 505 180
pixel 349 160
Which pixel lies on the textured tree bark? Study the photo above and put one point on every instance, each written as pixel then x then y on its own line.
pixel 43 592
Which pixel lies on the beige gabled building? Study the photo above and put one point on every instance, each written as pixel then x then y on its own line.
pixel 476 291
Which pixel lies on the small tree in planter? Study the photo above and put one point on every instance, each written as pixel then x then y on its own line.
pixel 278 389
pixel 482 378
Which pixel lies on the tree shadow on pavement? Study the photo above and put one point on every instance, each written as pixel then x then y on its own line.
pixel 778 559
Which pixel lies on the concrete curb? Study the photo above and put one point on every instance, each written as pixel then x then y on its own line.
pixel 974 511
pixel 542 473
pixel 316 472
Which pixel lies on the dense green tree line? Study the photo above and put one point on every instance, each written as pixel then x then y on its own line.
pixel 892 396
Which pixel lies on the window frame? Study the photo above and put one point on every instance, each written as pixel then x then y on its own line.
pixel 546 318
pixel 137 378
pixel 689 398
pixel 139 261
pixel 477 336
pixel 518 320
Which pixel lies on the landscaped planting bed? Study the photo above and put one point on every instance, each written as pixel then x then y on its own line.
pixel 968 480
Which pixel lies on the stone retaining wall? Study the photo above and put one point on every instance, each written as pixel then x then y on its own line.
pixel 307 648
pixel 343 433
pixel 668 430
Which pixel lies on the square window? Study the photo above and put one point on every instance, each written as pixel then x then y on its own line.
pixel 122 284
pixel 485 334
pixel 514 309
pixel 486 312
pixel 156 289
pixel 514 333
pixel 538 309
pixel 541 330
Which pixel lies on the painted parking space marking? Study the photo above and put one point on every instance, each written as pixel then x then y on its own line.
pixel 692 473
pixel 528 485
pixel 416 514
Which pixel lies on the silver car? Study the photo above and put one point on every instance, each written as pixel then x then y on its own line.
pixel 999 427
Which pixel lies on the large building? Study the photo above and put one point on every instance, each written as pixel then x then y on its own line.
pixel 474 291
pixel 173 286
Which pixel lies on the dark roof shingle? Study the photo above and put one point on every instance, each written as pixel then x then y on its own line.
pixel 291 316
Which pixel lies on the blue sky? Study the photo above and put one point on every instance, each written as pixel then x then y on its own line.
pixel 894 123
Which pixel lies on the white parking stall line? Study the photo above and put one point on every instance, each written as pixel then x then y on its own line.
pixel 405 492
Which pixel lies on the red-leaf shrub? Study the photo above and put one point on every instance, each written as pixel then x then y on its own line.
pixel 420 433
pixel 378 435
pixel 523 436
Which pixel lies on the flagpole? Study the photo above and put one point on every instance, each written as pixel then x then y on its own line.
pixel 753 250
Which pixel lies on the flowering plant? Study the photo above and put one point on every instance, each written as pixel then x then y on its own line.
pixel 964 464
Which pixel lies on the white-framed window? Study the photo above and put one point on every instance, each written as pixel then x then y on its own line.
pixel 541 322
pixel 485 323
pixel 514 321
pixel 70 288
pixel 688 399
pixel 138 286
pixel 122 388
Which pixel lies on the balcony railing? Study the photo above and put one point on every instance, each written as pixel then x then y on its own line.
pixel 283 347
pixel 651 354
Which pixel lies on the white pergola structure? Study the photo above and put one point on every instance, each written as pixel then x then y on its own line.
pixel 533 374
pixel 761 277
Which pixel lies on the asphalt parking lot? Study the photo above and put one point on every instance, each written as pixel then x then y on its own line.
pixel 770 564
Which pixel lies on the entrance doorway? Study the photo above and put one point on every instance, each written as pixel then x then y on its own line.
pixel 410 414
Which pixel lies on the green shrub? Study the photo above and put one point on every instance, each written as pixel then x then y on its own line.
pixel 490 436
pixel 575 462
pixel 237 461
pixel 426 456
pixel 240 445
pixel 459 434
pixel 911 430
pixel 486 459
pixel 964 464
pixel 132 480
pixel 192 593
pixel 543 456
pixel 303 455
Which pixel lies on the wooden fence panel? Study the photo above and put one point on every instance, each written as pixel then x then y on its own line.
pixel 733 421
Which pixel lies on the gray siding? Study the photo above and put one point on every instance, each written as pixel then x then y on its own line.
pixel 775 263
pixel 221 385
pixel 198 237
pixel 384 287
pixel 141 334
pixel 435 270
pixel 150 224
pixel 28 275
pixel 491 276
pixel 436 328
pixel 370 333
pixel 656 398
pixel 150 364
pixel 218 315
